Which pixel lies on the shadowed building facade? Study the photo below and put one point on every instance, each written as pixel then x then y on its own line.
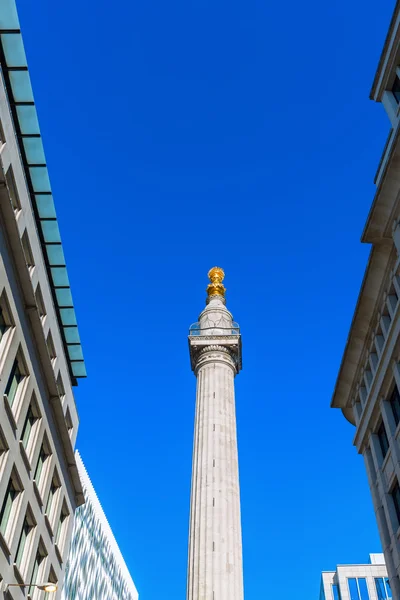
pixel 215 569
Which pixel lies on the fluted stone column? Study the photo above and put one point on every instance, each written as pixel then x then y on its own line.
pixel 215 569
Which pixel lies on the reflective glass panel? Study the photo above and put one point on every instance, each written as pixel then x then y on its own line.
pixel 34 151
pixel 395 404
pixel 60 276
pixel 27 119
pixel 353 588
pixel 380 588
pixel 362 588
pixel 45 206
pixel 72 335
pixel 335 591
pixel 21 86
pixel 68 316
pixel 8 15
pixel 388 589
pixel 51 232
pixel 64 298
pixel 78 369
pixel 55 254
pixel 13 47
pixel 40 179
pixel 75 352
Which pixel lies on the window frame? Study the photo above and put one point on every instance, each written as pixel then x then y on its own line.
pixel 383 439
pixel 395 495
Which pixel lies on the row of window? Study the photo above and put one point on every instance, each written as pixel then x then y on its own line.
pixel 394 401
pixel 9 513
pixel 358 589
pixel 19 371
pixel 376 345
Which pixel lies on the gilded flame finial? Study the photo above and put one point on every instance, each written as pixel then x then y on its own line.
pixel 216 288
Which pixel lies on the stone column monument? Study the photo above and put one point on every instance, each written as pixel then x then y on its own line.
pixel 215 569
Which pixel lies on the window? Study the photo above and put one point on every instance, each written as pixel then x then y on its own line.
pixel 31 418
pixel 8 504
pixel 3 324
pixel 60 386
pixel 3 446
pixel 54 487
pixel 68 422
pixel 50 347
pixel 2 136
pixel 30 263
pixel 40 303
pixel 62 522
pixel 383 440
pixel 358 588
pixel 43 456
pixel 36 576
pixel 27 527
pixel 12 190
pixel 395 404
pixel 395 493
pixel 336 591
pixel 16 376
pixel 396 89
pixel 383 588
pixel 6 321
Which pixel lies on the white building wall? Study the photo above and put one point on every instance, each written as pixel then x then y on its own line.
pixel 375 569
pixel 95 569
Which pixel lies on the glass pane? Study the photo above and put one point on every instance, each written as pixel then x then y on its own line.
pixel 40 179
pixel 8 15
pixel 68 316
pixel 380 588
pixel 51 232
pixel 75 352
pixel 45 206
pixel 78 369
pixel 39 466
pixel 335 591
pixel 34 151
pixel 13 382
pixel 3 325
pixel 21 86
pixel 27 119
pixel 64 297
pixel 30 419
pixel 388 589
pixel 60 276
pixel 353 589
pixel 55 254
pixel 13 47
pixel 6 508
pixel 22 541
pixel 71 335
pixel 362 586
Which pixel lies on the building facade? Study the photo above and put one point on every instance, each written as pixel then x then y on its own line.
pixel 215 569
pixel 357 582
pixel 95 568
pixel 40 352
pixel 368 384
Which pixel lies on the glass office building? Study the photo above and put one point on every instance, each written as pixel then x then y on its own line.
pixel 357 582
pixel 95 568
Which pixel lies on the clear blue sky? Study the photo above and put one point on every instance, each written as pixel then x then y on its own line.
pixel 185 134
